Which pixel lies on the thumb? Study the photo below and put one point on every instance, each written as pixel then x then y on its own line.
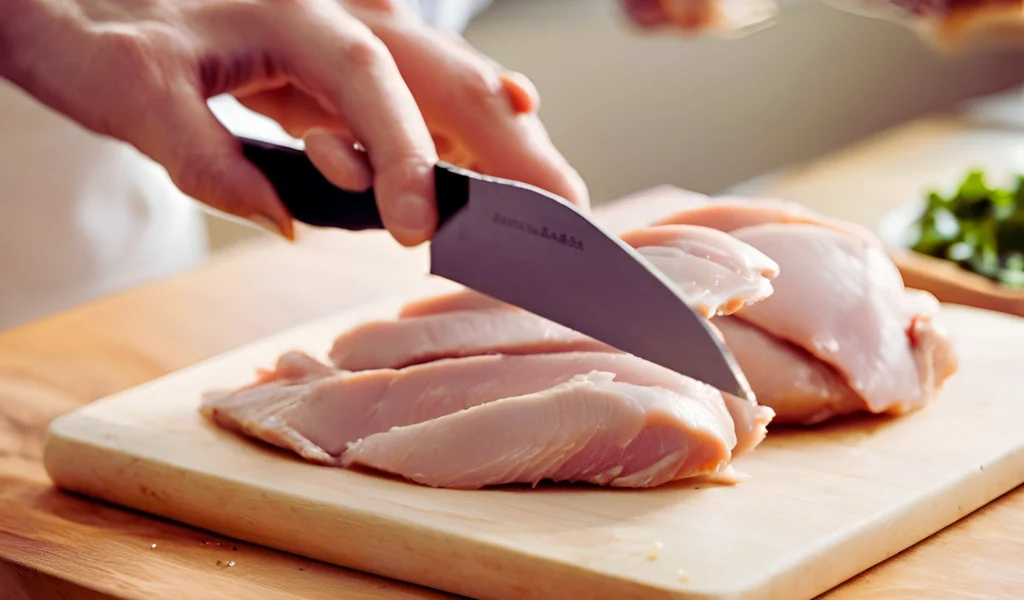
pixel 205 161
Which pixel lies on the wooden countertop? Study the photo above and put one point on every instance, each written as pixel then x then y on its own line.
pixel 53 545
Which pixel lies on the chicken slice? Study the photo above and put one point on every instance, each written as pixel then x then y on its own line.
pixel 451 302
pixel 715 272
pixel 928 350
pixel 398 343
pixel 589 429
pixel 317 415
pixel 751 418
pixel 800 388
pixel 842 299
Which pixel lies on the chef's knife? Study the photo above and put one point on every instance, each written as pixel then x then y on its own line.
pixel 532 249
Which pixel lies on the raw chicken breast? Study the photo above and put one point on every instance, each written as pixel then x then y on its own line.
pixel 715 272
pixel 800 388
pixel 751 418
pixel 414 340
pixel 842 299
pixel 729 213
pixel 933 351
pixel 452 302
pixel 317 413
pixel 590 429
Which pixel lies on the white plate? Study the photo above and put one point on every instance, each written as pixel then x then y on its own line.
pixel 896 228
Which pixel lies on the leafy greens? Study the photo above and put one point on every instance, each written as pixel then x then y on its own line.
pixel 981 228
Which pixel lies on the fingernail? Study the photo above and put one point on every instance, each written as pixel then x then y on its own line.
pixel 266 223
pixel 521 93
pixel 412 214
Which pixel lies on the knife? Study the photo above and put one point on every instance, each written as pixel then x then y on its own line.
pixel 529 248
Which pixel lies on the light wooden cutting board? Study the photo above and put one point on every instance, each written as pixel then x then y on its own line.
pixel 821 505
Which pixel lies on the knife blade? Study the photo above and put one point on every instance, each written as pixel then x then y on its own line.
pixel 534 250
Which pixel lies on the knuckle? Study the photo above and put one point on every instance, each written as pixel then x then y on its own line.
pixel 127 49
pixel 478 85
pixel 409 172
pixel 365 53
pixel 145 56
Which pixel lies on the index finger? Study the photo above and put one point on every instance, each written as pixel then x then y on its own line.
pixel 464 96
pixel 352 73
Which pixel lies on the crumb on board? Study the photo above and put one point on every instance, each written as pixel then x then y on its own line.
pixel 682 575
pixel 152 546
pixel 657 550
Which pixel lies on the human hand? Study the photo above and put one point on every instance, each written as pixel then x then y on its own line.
pixel 948 25
pixel 945 24
pixel 699 16
pixel 338 73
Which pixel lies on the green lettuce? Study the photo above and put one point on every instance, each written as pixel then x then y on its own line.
pixel 979 227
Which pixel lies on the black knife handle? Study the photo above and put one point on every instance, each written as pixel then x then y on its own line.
pixel 314 200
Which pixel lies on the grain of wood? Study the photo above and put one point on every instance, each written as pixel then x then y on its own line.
pixel 950 283
pixel 54 544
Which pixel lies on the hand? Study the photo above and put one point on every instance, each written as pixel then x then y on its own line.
pixel 699 16
pixel 338 73
pixel 689 15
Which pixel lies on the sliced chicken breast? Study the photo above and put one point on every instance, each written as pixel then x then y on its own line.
pixel 716 273
pixel 451 302
pixel 800 388
pixel 260 410
pixel 403 342
pixel 751 418
pixel 842 299
pixel 729 213
pixel 589 429
pixel 317 415
pixel 823 310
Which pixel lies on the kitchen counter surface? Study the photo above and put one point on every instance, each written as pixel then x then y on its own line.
pixel 54 545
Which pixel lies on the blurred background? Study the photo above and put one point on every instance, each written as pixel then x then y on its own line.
pixel 633 110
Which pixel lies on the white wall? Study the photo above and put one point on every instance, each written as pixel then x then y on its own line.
pixel 632 110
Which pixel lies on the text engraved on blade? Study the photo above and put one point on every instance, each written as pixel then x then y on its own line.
pixel 544 232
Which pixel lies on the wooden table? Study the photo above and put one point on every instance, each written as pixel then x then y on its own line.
pixel 53 545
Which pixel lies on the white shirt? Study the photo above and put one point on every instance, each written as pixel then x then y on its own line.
pixel 84 216
pixel 81 216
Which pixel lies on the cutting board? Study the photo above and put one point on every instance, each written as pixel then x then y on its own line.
pixel 821 505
